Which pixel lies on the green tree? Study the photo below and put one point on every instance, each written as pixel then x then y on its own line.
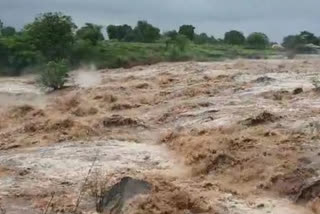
pixel 84 52
pixel 188 31
pixel 172 34
pixel 292 41
pixel 234 38
pixel 212 40
pixel 145 32
pixel 309 38
pixel 112 32
pixel 125 33
pixel 298 41
pixel 16 53
pixel 120 32
pixel 1 26
pixel 8 31
pixel 258 40
pixel 90 32
pixel 202 38
pixel 52 34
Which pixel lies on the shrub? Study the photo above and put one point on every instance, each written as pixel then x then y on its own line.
pixel 177 48
pixel 54 75
pixel 174 54
pixel 181 42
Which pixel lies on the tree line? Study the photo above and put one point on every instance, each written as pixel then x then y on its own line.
pixel 54 36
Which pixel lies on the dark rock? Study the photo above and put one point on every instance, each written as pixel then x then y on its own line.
pixel 123 106
pixel 142 86
pixel 24 172
pixel 12 146
pixel 305 160
pixel 260 206
pixel 293 184
pixel 309 191
pixel 220 162
pixel 264 79
pixel 114 200
pixel 117 120
pixel 297 91
pixel 262 118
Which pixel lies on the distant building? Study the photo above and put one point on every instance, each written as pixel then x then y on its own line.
pixel 315 49
pixel 277 47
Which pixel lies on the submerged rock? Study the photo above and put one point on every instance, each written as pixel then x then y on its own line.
pixel 262 118
pixel 297 91
pixel 264 79
pixel 114 200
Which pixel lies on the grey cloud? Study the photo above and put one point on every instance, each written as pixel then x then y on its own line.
pixel 274 17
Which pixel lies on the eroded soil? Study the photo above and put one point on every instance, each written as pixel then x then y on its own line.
pixel 225 137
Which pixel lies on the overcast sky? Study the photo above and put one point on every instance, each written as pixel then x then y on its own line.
pixel 277 18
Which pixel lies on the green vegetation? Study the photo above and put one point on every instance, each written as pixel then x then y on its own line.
pixel 234 38
pixel 298 42
pixel 53 37
pixel 8 31
pixel 51 34
pixel 54 75
pixel 122 33
pixel 188 31
pixel 90 32
pixel 16 54
pixel 123 54
pixel 203 38
pixel 258 41
pixel 143 32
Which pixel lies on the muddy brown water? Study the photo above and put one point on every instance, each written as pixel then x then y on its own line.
pixel 20 90
pixel 25 90
pixel 40 169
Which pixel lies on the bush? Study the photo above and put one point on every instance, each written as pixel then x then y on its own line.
pixel 54 75
pixel 177 48
pixel 175 55
pixel 181 42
